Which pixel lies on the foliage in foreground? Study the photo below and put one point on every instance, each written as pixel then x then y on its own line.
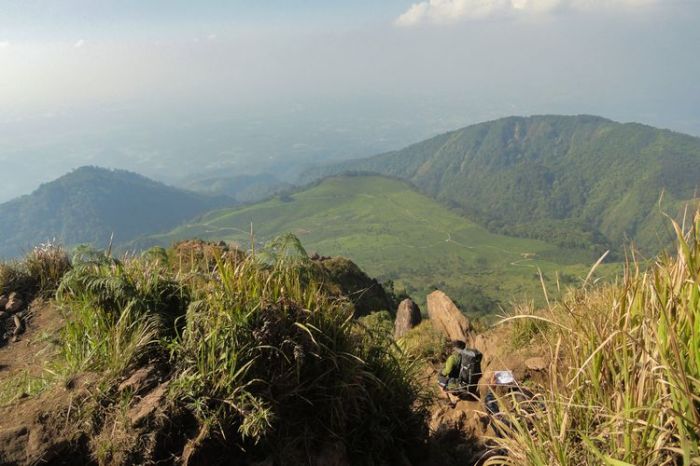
pixel 267 356
pixel 625 386
pixel 257 351
pixel 37 274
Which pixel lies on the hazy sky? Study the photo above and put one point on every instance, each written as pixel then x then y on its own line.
pixel 171 88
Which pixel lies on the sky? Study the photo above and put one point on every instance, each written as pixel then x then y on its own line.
pixel 179 89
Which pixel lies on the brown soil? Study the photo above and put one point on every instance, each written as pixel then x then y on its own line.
pixel 35 345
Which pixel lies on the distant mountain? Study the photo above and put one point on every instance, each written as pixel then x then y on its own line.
pixel 578 181
pixel 243 188
pixel 90 204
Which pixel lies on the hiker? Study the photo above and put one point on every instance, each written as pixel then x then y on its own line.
pixel 461 373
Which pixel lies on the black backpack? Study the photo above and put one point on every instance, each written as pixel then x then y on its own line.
pixel 470 367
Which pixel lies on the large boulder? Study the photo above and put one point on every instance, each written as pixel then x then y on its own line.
pixel 407 317
pixel 446 317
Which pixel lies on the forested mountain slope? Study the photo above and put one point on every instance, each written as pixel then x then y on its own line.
pixel 90 204
pixel 581 181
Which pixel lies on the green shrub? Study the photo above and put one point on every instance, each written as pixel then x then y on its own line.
pixel 39 273
pixel 111 285
pixel 268 357
pixel 97 341
pixel 424 342
pixel 47 264
pixel 117 309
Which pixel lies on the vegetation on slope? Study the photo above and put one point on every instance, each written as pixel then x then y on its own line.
pixel 260 361
pixel 578 181
pixel 91 204
pixel 399 235
pixel 624 387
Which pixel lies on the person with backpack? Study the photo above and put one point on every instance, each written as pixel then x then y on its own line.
pixel 461 373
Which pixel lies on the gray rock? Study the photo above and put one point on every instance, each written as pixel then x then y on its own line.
pixel 446 317
pixel 407 317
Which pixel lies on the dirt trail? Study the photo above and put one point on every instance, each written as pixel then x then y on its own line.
pixel 466 426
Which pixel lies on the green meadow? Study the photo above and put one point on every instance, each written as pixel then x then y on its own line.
pixel 397 234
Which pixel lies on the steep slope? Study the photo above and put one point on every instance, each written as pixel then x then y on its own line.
pixel 577 180
pixel 90 203
pixel 395 233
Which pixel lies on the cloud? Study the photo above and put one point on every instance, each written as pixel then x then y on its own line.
pixel 4 44
pixel 79 43
pixel 446 11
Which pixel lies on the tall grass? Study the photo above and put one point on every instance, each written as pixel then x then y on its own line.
pixel 37 274
pixel 116 309
pixel 267 357
pixel 624 386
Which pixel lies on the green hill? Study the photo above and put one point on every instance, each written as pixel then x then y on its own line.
pixel 395 233
pixel 90 204
pixel 578 181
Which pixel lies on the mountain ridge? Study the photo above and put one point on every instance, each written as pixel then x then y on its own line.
pixel 580 181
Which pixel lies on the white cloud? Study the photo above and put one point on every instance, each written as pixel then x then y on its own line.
pixel 445 11
pixel 79 43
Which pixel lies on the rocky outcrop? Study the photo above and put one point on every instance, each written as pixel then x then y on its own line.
pixel 446 317
pixel 407 317
pixel 342 277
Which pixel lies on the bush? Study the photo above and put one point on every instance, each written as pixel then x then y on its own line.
pixel 38 274
pixel 424 342
pixel 47 264
pixel 269 358
pixel 112 285
pixel 116 309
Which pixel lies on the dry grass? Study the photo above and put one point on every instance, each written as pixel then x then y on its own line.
pixel 625 385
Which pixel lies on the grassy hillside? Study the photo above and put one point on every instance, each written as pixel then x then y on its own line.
pixel 579 181
pixel 90 204
pixel 395 233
